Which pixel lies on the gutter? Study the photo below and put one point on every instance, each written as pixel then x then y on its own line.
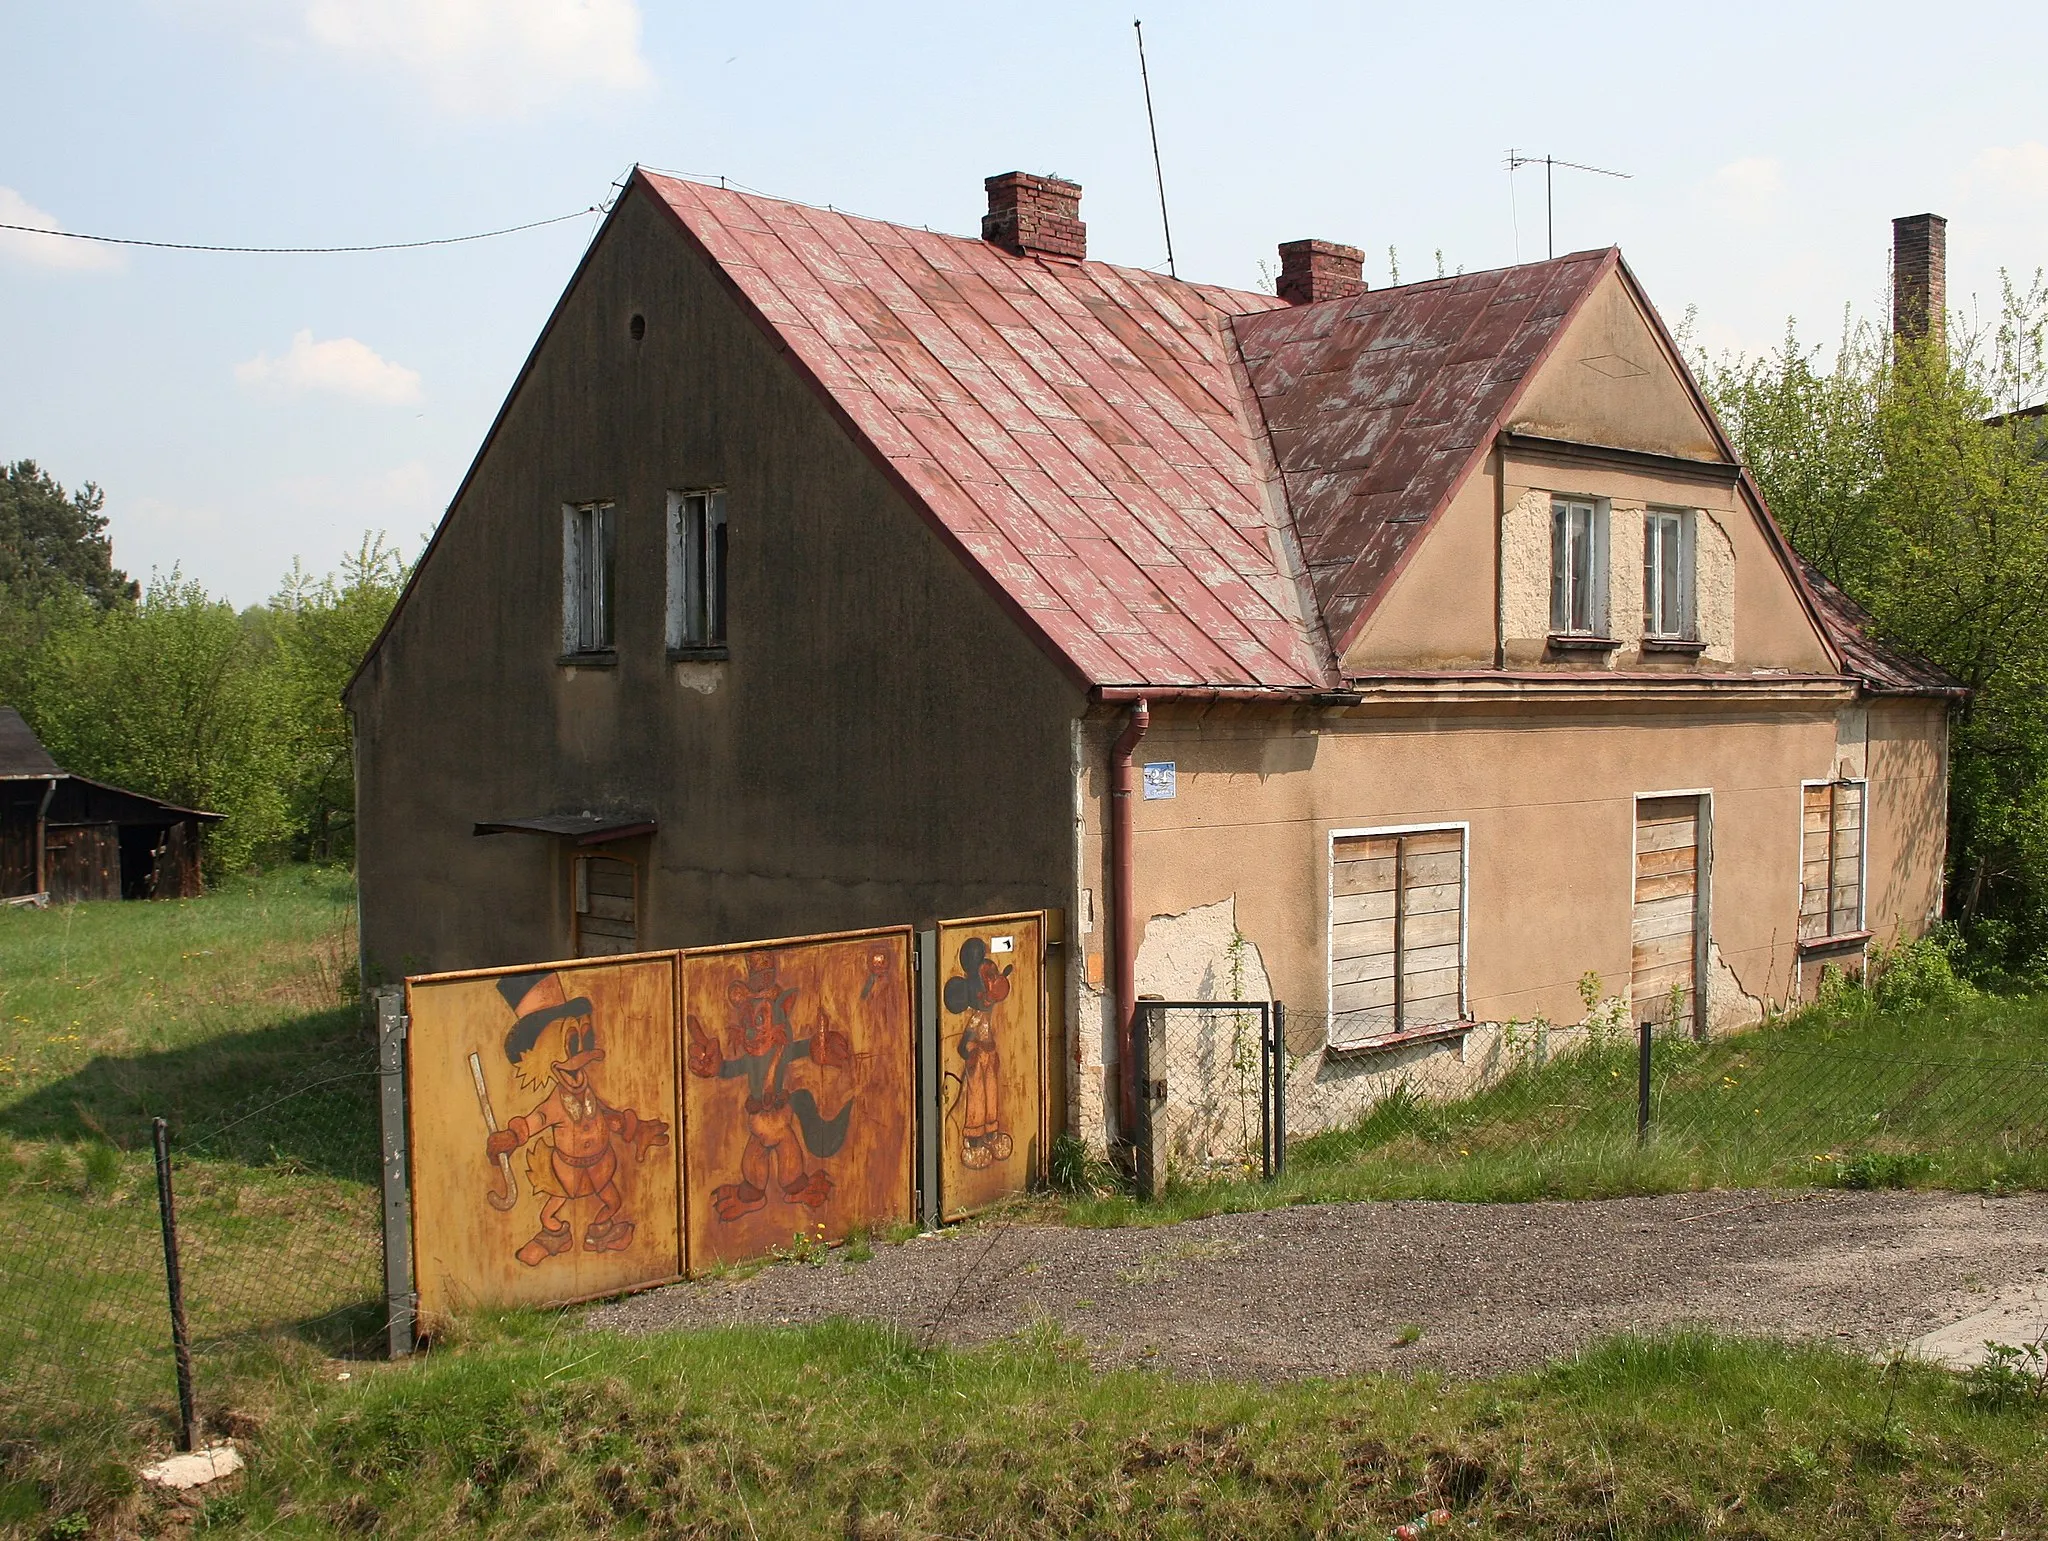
pixel 1124 933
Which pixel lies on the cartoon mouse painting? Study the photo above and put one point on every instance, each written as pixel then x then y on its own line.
pixel 574 1138
pixel 974 993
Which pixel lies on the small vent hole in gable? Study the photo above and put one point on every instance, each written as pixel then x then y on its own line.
pixel 638 327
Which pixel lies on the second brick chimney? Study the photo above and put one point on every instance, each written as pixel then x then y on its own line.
pixel 1030 216
pixel 1319 270
pixel 1920 277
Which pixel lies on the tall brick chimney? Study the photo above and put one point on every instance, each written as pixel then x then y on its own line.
pixel 1319 270
pixel 1031 216
pixel 1920 277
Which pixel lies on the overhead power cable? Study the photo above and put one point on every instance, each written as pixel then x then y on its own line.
pixel 300 251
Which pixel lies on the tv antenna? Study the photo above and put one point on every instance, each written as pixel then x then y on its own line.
pixel 1517 160
pixel 1152 124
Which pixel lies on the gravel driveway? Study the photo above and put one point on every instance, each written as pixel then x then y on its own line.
pixel 1329 1289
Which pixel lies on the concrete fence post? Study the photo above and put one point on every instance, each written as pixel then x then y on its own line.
pixel 400 1303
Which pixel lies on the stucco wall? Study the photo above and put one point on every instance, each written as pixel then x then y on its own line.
pixel 883 745
pixel 1549 794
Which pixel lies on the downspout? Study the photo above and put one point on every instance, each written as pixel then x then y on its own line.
pixel 1124 936
pixel 43 838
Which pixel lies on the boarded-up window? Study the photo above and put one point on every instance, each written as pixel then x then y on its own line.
pixel 1397 934
pixel 1664 930
pixel 607 906
pixel 1831 861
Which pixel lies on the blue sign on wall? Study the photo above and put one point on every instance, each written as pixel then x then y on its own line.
pixel 1159 780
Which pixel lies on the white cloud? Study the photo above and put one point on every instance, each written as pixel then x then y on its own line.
pixel 340 364
pixel 45 251
pixel 1748 190
pixel 489 56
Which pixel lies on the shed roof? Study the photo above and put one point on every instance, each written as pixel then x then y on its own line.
pixel 22 755
pixel 1880 667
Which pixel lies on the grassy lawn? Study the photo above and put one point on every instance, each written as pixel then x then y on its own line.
pixel 842 1430
pixel 225 1015
pixel 1953 1096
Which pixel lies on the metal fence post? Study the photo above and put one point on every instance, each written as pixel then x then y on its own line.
pixel 930 1095
pixel 1643 1084
pixel 1279 1089
pixel 1141 1069
pixel 1266 1091
pixel 174 1279
pixel 399 1301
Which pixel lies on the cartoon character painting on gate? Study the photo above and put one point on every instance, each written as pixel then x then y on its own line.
pixel 974 993
pixel 783 1126
pixel 574 1138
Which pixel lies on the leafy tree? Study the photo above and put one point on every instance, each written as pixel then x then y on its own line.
pixel 51 540
pixel 167 697
pixel 320 629
pixel 1911 474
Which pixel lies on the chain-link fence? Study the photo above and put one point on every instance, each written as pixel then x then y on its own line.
pixel 1519 1110
pixel 275 1198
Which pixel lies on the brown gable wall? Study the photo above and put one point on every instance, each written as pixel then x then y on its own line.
pixel 883 745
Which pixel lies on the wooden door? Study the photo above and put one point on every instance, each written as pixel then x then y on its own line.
pixel 607 906
pixel 1663 971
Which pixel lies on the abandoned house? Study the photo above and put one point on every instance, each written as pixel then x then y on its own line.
pixel 1404 655
pixel 64 837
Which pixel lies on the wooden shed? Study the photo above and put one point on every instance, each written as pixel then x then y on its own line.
pixel 65 837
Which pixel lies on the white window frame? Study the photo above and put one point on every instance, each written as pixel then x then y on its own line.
pixel 698 569
pixel 1562 599
pixel 589 597
pixel 1464 829
pixel 1831 935
pixel 1685 522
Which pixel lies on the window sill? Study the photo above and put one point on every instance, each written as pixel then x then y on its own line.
pixel 1842 943
pixel 1579 642
pixel 1402 1040
pixel 712 654
pixel 1674 645
pixel 608 658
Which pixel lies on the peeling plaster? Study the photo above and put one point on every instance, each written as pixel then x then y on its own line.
pixel 1713 586
pixel 1186 957
pixel 1525 575
pixel 1729 1007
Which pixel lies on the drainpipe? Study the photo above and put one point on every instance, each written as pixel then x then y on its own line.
pixel 1124 936
pixel 43 838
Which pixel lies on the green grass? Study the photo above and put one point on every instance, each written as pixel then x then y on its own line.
pixel 228 1016
pixel 1953 1097
pixel 840 1430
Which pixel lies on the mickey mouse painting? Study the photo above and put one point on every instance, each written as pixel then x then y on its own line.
pixel 574 1137
pixel 974 993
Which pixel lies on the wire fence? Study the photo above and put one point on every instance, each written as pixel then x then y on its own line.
pixel 1240 1090
pixel 276 1208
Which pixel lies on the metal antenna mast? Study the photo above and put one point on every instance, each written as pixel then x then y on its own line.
pixel 1517 160
pixel 1152 124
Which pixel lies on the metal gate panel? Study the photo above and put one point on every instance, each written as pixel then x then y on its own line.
pixel 798 1103
pixel 994 1119
pixel 540 1100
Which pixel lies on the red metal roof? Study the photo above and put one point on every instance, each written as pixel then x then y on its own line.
pixel 1378 405
pixel 1077 429
pixel 1881 668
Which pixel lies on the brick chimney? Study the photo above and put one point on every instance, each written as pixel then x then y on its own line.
pixel 1319 270
pixel 1920 277
pixel 1032 216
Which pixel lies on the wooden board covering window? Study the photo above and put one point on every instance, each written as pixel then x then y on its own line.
pixel 1831 861
pixel 607 907
pixel 1665 923
pixel 1397 933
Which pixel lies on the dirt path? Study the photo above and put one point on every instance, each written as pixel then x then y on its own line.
pixel 1328 1289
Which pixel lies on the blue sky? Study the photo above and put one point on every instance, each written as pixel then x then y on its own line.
pixel 243 411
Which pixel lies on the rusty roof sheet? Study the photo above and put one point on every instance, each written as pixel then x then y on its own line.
pixel 1077 429
pixel 1881 668
pixel 1378 405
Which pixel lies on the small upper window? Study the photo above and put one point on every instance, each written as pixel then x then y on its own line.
pixel 1667 574
pixel 1578 567
pixel 696 571
pixel 589 543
